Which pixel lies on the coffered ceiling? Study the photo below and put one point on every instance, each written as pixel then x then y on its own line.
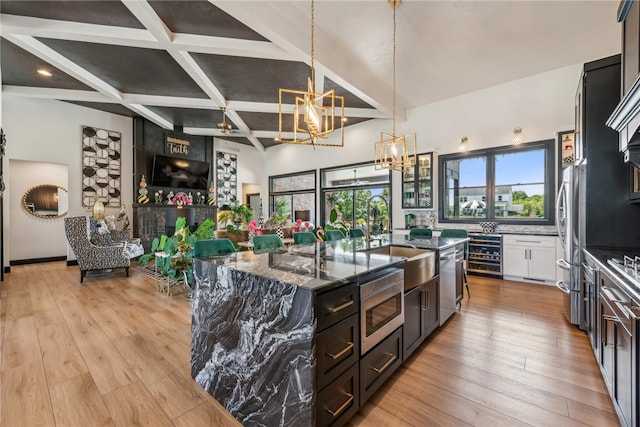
pixel 177 63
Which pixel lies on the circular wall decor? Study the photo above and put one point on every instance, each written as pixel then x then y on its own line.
pixel 101 166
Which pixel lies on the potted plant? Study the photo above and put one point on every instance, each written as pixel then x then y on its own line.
pixel 178 249
pixel 334 224
pixel 238 216
pixel 278 218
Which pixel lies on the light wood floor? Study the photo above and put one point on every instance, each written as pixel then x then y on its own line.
pixel 114 352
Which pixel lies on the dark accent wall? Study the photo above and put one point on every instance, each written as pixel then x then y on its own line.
pixel 611 220
pixel 149 140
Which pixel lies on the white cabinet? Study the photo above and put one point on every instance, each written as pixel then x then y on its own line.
pixel 529 257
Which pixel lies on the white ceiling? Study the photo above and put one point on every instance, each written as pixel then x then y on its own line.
pixel 444 48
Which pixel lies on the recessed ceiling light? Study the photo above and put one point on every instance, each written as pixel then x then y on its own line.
pixel 44 72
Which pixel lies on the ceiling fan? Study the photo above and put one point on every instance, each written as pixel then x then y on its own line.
pixel 356 180
pixel 223 125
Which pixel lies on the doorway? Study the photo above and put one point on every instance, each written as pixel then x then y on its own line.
pixel 254 202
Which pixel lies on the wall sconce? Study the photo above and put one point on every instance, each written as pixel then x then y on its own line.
pixel 463 146
pixel 517 136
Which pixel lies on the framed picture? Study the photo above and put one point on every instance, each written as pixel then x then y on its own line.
pixel 226 168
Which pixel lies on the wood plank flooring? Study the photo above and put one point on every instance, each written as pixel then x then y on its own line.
pixel 114 352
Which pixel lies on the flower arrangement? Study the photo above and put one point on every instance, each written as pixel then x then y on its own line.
pixel 300 226
pixel 254 229
pixel 180 199
pixel 200 199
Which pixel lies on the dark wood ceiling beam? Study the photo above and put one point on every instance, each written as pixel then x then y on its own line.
pixel 150 19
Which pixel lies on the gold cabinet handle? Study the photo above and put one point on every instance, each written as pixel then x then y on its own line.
pixel 341 352
pixel 386 365
pixel 341 307
pixel 342 407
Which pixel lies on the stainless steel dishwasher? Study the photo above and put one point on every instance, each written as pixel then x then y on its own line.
pixel 447 283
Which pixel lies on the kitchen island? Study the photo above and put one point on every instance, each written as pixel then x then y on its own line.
pixel 263 326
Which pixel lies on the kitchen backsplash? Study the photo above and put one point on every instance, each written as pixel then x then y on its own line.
pixel 425 218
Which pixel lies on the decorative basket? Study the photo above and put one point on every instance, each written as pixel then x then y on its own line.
pixel 488 227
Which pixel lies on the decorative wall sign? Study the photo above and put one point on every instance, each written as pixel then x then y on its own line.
pixel 226 178
pixel 100 167
pixel 176 145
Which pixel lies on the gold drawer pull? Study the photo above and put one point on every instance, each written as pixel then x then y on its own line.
pixel 386 365
pixel 341 307
pixel 342 352
pixel 342 407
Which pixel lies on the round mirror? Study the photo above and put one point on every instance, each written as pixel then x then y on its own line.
pixel 46 201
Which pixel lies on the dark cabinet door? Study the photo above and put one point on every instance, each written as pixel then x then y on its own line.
pixel 607 342
pixel 417 183
pixel 338 347
pixel 340 400
pixel 631 47
pixel 413 319
pixel 378 365
pixel 623 373
pixel 420 315
pixel 337 305
pixel 431 319
pixel 591 307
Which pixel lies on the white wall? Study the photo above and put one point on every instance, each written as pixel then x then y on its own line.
pixel 27 232
pixel 541 105
pixel 50 131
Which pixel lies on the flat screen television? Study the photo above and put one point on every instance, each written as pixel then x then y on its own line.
pixel 176 172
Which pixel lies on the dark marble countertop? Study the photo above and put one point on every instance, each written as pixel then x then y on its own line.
pixel 435 243
pixel 601 255
pixel 320 265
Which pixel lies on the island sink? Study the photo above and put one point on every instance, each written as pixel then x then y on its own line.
pixel 420 265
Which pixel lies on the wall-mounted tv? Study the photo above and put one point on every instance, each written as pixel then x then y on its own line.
pixel 176 172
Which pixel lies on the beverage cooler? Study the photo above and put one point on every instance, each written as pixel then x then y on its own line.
pixel 485 254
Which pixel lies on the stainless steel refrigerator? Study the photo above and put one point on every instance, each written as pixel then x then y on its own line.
pixel 568 221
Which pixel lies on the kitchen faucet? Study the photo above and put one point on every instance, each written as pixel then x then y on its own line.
pixel 368 230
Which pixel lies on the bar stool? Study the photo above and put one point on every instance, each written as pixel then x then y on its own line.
pixel 356 232
pixel 267 241
pixel 457 232
pixel 213 247
pixel 304 237
pixel 334 235
pixel 420 233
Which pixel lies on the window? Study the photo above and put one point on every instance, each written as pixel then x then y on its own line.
pixel 298 191
pixel 349 188
pixel 505 184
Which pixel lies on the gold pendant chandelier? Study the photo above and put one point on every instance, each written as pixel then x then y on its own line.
pixel 392 151
pixel 314 114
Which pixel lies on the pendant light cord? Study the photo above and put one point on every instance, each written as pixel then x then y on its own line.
pixel 313 24
pixel 395 5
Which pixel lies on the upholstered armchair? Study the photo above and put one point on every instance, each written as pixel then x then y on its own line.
pixel 94 252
